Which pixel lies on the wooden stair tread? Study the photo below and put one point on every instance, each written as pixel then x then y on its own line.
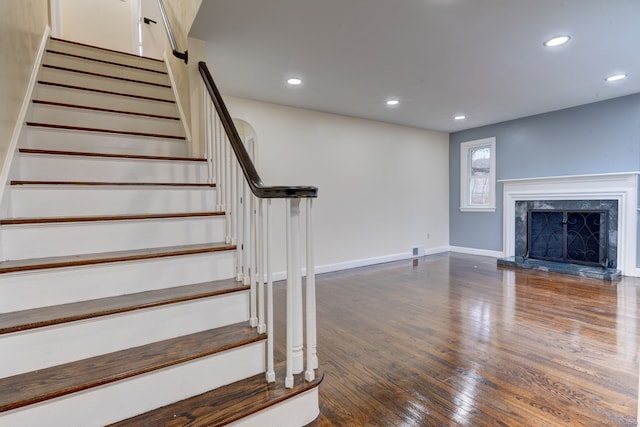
pixel 108 257
pixel 102 110
pixel 36 386
pixel 109 155
pixel 109 92
pixel 105 49
pixel 105 183
pixel 103 61
pixel 226 404
pixel 71 312
pixel 96 218
pixel 102 130
pixel 105 76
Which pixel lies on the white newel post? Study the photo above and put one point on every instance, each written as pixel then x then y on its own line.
pixel 295 356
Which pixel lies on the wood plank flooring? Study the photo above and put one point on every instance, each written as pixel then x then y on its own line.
pixel 453 340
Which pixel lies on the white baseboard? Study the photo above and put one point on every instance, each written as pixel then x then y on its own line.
pixel 474 251
pixel 439 250
pixel 328 268
pixel 636 273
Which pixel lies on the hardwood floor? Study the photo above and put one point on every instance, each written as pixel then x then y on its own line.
pixel 453 340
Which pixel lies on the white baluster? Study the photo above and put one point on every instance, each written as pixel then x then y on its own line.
pixel 228 187
pixel 312 358
pixel 224 144
pixel 239 223
pixel 218 159
pixel 252 266
pixel 262 327
pixel 247 235
pixel 208 139
pixel 295 356
pixel 234 200
pixel 271 374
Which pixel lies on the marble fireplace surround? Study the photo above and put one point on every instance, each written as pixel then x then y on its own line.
pixel 622 187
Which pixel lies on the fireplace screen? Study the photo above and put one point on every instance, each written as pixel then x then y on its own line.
pixel 578 237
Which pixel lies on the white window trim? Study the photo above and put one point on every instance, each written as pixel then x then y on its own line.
pixel 465 149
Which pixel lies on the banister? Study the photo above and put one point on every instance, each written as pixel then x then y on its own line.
pixel 247 166
pixel 172 41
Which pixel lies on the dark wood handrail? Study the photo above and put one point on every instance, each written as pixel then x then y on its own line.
pixel 172 41
pixel 248 168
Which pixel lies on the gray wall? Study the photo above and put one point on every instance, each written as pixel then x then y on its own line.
pixel 596 138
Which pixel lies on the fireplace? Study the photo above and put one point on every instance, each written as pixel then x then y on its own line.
pixel 572 236
pixel 618 191
pixel 583 232
pixel 576 237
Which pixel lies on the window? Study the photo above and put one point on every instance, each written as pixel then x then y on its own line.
pixel 478 175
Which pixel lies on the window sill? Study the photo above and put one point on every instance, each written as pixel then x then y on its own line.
pixel 478 209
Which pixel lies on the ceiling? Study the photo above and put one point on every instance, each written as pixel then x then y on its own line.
pixel 440 58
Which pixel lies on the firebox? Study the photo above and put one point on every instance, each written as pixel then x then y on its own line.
pixel 573 236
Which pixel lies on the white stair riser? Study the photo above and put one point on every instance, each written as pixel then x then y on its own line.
pixel 40 288
pixel 44 347
pixel 104 83
pixel 79 117
pixel 79 168
pixel 104 100
pixel 62 239
pixel 41 201
pixel 75 63
pixel 112 402
pixel 96 142
pixel 118 57
pixel 296 411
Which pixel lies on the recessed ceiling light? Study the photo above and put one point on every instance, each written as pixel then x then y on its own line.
pixel 616 77
pixel 557 41
pixel 294 81
pixel 392 102
pixel 459 117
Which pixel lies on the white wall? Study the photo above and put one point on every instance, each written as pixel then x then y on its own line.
pixel 105 23
pixel 382 187
pixel 181 14
pixel 22 27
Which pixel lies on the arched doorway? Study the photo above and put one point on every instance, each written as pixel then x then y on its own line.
pixel 248 135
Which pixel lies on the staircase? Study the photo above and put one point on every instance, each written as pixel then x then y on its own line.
pixel 118 298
